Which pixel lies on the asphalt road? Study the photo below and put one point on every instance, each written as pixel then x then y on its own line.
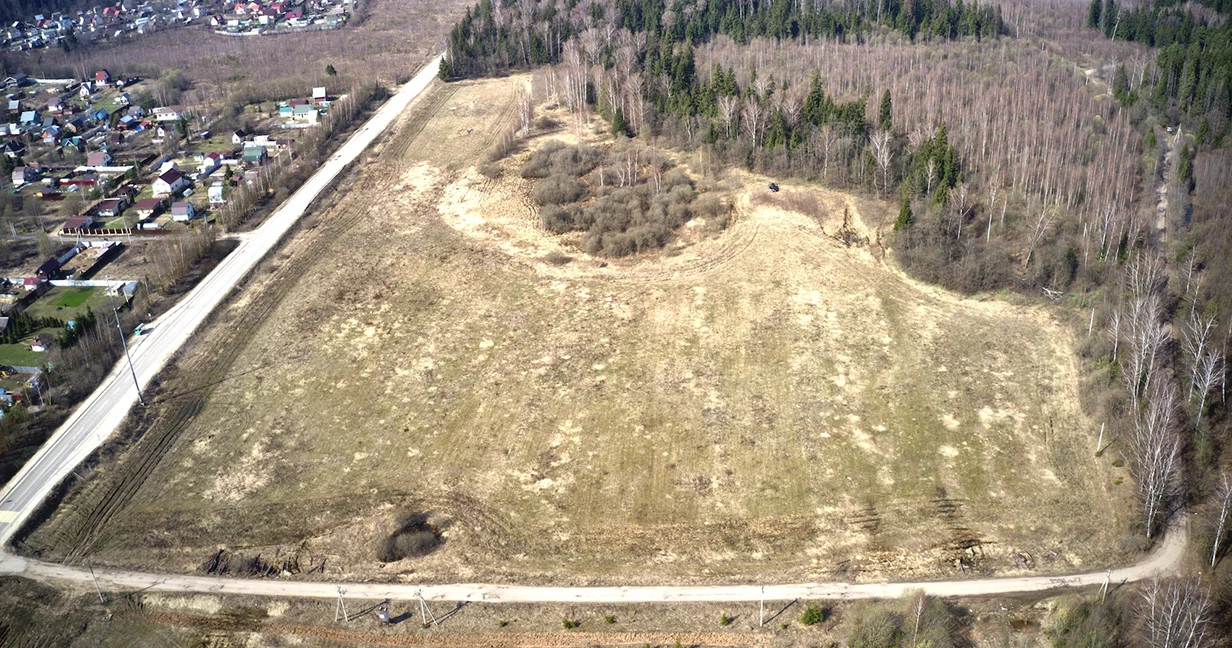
pixel 102 413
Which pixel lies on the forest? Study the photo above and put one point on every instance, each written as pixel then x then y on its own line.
pixel 1073 152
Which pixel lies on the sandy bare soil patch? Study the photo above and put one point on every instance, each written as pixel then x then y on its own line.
pixel 768 403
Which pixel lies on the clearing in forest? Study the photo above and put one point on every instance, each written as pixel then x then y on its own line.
pixel 765 402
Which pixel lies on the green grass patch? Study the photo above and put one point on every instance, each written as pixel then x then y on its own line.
pixel 19 354
pixel 67 303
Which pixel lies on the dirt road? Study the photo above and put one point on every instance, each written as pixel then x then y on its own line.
pixel 1164 560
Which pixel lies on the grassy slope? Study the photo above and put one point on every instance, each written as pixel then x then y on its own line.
pixel 784 405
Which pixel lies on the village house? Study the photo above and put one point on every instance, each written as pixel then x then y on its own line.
pixel 42 342
pixel 78 223
pixel 111 207
pixel 148 208
pixel 216 195
pixel 24 174
pixel 254 155
pixel 182 211
pixel 168 113
pixel 209 163
pixel 98 159
pixel 170 182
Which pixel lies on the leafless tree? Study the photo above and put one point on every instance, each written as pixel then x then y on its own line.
pixel 1197 331
pixel 751 119
pixel 526 112
pixel 918 604
pixel 1142 325
pixel 1043 222
pixel 1155 450
pixel 883 153
pixel 826 137
pixel 961 206
pixel 728 108
pixel 1224 495
pixel 1176 614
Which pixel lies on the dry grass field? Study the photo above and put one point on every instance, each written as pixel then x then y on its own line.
pixel 766 403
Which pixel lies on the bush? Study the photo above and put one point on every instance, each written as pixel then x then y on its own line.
pixel 558 189
pixel 725 620
pixel 554 157
pixel 874 626
pixel 625 219
pixel 570 624
pixel 813 615
pixel 413 537
pixel 1090 624
pixel 540 163
pixel 559 219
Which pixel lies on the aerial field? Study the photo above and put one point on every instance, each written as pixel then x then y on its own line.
pixel 767 402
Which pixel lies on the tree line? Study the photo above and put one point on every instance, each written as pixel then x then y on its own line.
pixel 495 36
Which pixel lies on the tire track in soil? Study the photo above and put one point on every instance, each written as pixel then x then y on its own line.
pixel 80 525
pixel 115 492
pixel 437 95
pixel 508 639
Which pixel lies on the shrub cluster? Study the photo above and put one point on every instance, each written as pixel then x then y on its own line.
pixel 575 193
pixel 414 537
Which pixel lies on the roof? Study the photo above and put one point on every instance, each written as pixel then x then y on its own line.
pixel 180 207
pixel 148 204
pixel 110 203
pixel 172 176
pixel 76 222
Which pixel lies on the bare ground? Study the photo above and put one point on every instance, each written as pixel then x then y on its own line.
pixel 767 403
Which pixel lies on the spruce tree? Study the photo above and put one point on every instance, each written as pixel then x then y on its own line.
pixel 619 126
pixel 1093 14
pixel 905 218
pixel 887 108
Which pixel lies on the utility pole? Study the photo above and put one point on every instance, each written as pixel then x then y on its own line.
pixel 761 614
pixel 124 342
pixel 101 599
pixel 1104 589
pixel 425 610
pixel 341 607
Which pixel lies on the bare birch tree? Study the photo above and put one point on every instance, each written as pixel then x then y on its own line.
pixel 883 153
pixel 1155 447
pixel 1224 495
pixel 1176 614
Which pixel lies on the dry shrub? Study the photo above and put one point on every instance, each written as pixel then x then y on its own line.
pixel 710 207
pixel 622 220
pixel 491 170
pixel 504 145
pixel 414 537
pixel 555 158
pixel 558 189
pixel 546 124
pixel 559 219
pixel 805 202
